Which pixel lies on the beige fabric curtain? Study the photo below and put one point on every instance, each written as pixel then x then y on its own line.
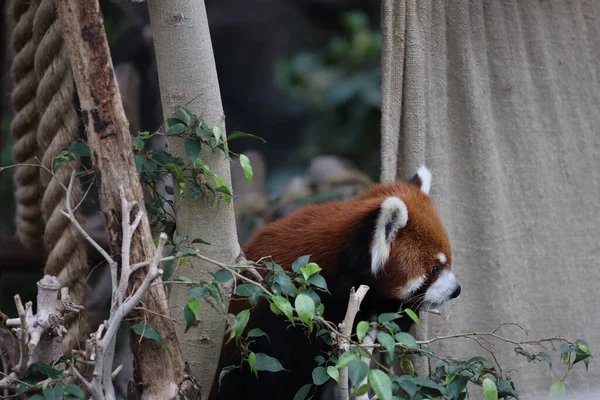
pixel 501 99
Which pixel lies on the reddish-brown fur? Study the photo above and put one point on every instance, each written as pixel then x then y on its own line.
pixel 324 231
pixel 321 229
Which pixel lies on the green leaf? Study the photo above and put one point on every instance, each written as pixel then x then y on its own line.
pixel 557 391
pixel 428 383
pixel 245 163
pixel 407 385
pixel 184 115
pixel 300 262
pixel 256 332
pixel 381 384
pixel 197 240
pixel 190 251
pixel 565 349
pixel 242 135
pixel 582 357
pixel 305 307
pixel 252 363
pixel 284 306
pixel 345 359
pixel 490 391
pixel 54 393
pixel 320 376
pixel 318 281
pixel 407 366
pixel 309 270
pixel 74 390
pixel 46 370
pixel 361 330
pixel 386 341
pixel 223 187
pixel 266 363
pixel 583 346
pixel 412 315
pixel 252 292
pixel 223 276
pixel 241 320
pixel 176 129
pixel 194 304
pixel 80 148
pixel 546 358
pixel 387 317
pixel 303 392
pixel 216 133
pixel 180 239
pixel 189 315
pixel 364 389
pixel 203 166
pixel 183 279
pixel 334 373
pixel 137 143
pixel 192 148
pixel 178 177
pixel 197 292
pixel 163 158
pixel 406 339
pixel 139 162
pixel 147 331
pixel 284 282
pixel 357 371
pixel 274 309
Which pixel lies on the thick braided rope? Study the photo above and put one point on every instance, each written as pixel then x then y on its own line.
pixel 28 194
pixel 57 129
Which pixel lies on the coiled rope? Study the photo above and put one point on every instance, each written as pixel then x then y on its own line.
pixel 57 129
pixel 29 222
pixel 46 122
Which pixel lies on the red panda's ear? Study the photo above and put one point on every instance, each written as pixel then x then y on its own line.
pixel 393 216
pixel 422 179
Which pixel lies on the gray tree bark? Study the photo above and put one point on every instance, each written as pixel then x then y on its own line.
pixel 187 72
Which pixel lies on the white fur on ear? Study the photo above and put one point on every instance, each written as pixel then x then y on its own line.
pixel 393 216
pixel 422 179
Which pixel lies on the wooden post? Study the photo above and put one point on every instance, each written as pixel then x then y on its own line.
pixel 159 374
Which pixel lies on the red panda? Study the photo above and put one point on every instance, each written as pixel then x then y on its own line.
pixel 390 238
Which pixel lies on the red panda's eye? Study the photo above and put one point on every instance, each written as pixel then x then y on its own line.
pixel 434 271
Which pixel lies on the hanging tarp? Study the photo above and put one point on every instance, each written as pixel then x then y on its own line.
pixel 501 100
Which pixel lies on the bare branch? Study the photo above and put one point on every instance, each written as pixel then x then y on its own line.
pixel 346 328
pixel 70 214
pixel 368 340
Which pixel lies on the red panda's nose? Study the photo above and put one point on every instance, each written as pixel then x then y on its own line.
pixel 456 292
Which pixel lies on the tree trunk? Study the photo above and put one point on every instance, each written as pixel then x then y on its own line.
pixel 160 374
pixel 187 71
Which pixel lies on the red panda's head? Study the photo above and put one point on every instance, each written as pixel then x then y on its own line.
pixel 410 251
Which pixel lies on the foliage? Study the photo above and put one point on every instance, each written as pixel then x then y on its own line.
pixel 340 88
pixel 190 176
pixel 294 294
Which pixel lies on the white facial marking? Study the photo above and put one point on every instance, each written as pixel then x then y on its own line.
pixel 412 286
pixel 442 258
pixel 392 217
pixel 425 177
pixel 442 289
